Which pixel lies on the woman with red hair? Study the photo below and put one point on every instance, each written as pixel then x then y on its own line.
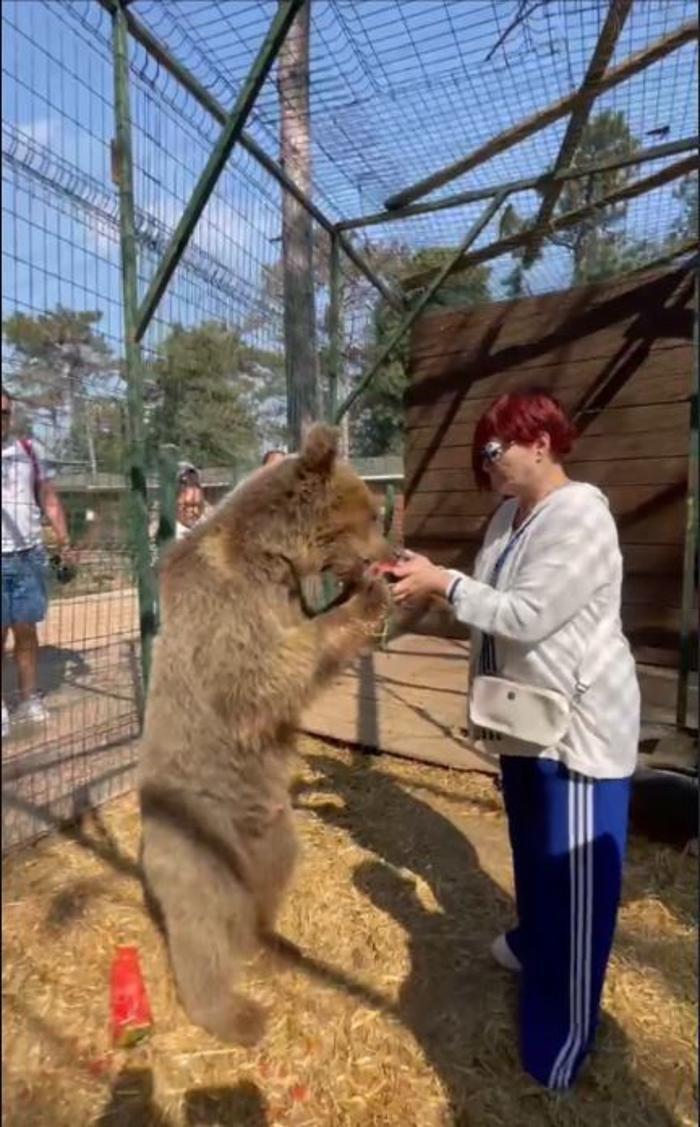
pixel 554 691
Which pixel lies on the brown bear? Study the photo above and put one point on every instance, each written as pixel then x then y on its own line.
pixel 236 661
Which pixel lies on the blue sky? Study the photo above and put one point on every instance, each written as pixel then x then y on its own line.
pixel 397 91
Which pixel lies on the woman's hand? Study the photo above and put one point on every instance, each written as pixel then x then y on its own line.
pixel 418 578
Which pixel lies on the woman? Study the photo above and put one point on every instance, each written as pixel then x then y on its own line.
pixel 544 605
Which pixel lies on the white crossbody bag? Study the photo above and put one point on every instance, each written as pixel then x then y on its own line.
pixel 538 716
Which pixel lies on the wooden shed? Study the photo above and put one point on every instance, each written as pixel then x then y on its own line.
pixel 619 356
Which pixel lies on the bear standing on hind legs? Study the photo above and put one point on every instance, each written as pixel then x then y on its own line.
pixel 236 661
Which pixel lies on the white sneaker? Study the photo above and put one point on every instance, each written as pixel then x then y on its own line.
pixel 32 711
pixel 504 956
pixel 5 721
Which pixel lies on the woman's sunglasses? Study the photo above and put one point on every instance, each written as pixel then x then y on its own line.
pixel 493 451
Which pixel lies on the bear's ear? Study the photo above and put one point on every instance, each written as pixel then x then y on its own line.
pixel 319 449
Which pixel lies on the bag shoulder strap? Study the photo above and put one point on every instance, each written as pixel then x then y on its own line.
pixel 508 548
pixel 36 472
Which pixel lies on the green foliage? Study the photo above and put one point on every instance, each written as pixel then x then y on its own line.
pixel 64 373
pixel 98 435
pixel 511 223
pixel 215 397
pixel 378 429
pixel 597 246
pixel 60 353
pixel 686 225
pixel 607 136
pixel 209 391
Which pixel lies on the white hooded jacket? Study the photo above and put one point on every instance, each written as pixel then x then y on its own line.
pixel 555 612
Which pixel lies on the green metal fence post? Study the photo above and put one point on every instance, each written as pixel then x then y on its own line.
pixel 136 452
pixel 230 134
pixel 690 556
pixel 167 494
pixel 389 510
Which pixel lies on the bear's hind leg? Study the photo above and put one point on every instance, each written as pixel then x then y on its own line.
pixel 206 959
pixel 272 865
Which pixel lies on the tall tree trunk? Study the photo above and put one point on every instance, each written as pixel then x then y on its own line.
pixel 301 361
pixel 90 439
pixel 344 444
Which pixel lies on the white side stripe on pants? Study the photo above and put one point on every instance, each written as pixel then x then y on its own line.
pixel 580 833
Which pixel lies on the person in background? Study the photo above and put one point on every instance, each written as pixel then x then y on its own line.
pixel 27 495
pixel 544 607
pixel 190 505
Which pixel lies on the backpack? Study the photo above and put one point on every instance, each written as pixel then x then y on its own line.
pixel 36 472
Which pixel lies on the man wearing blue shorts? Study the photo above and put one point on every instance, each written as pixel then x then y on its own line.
pixel 27 494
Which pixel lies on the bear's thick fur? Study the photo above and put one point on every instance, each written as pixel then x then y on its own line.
pixel 236 661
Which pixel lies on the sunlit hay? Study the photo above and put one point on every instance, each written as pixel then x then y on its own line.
pixel 393 1016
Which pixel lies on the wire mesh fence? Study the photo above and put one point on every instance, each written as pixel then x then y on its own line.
pixel 214 381
pixel 398 88
pixel 72 708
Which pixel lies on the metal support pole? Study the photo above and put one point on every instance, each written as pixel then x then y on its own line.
pixel 690 555
pixel 473 234
pixel 136 449
pixel 167 494
pixel 334 327
pixel 283 19
pixel 389 510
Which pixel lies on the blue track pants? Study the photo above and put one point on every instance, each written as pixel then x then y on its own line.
pixel 568 835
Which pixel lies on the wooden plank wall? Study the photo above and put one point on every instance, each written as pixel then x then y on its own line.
pixel 621 353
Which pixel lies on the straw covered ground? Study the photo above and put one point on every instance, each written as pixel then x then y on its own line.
pixel 394 1018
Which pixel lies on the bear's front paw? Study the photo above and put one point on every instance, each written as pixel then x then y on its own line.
pixel 373 598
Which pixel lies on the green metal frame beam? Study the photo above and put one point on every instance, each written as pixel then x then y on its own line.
pixel 533 124
pixel 206 100
pixel 588 92
pixel 260 68
pixel 535 183
pixel 473 233
pixel 389 511
pixel 561 223
pixel 690 555
pixel 136 452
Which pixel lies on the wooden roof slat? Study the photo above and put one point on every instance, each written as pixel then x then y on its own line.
pixel 533 124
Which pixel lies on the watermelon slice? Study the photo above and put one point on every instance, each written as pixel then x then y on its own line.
pixel 129 1006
